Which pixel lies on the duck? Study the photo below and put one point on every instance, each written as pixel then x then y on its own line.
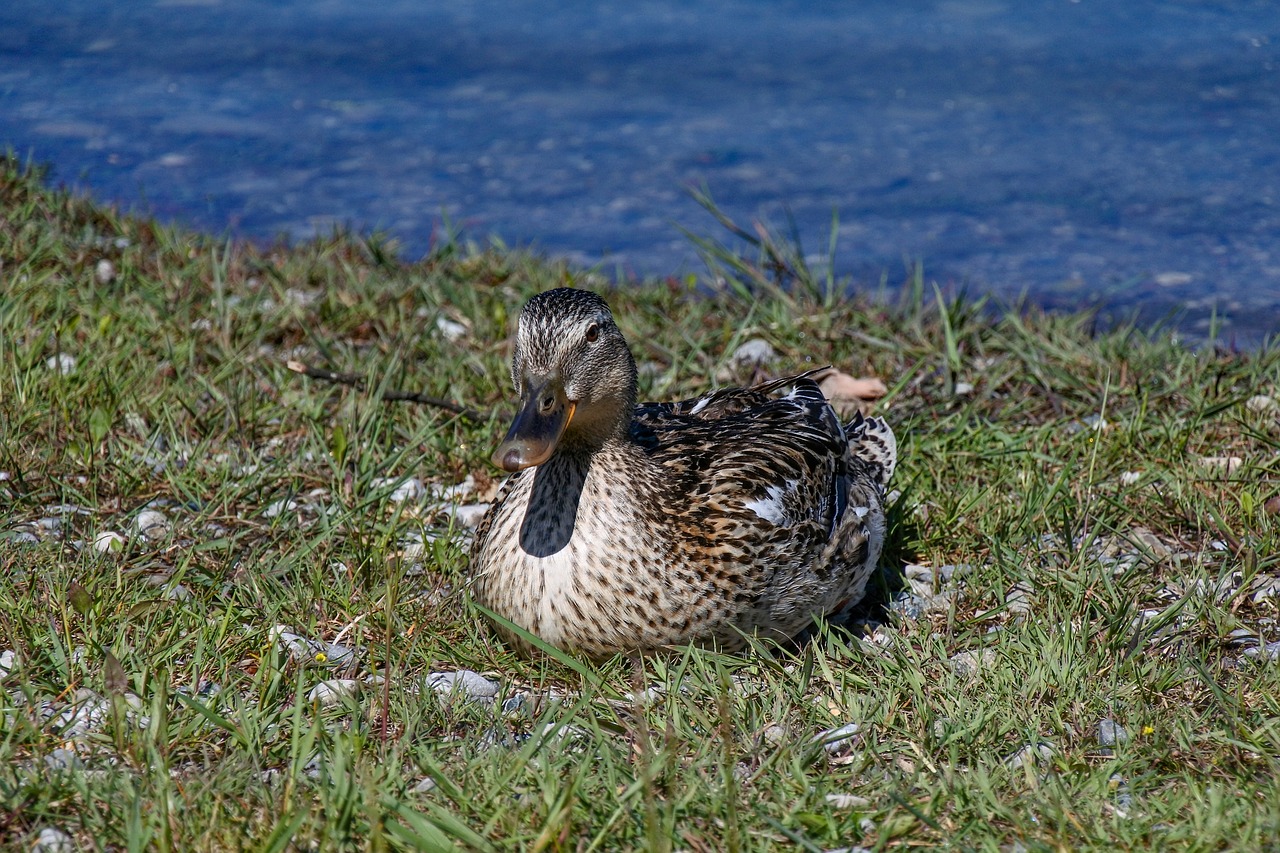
pixel 634 528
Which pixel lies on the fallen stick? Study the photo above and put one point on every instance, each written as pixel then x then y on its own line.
pixel 355 380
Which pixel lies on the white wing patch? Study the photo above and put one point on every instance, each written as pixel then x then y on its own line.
pixel 770 507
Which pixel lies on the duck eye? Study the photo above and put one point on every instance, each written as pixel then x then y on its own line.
pixel 593 333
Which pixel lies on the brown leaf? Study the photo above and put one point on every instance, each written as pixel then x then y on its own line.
pixel 80 598
pixel 113 675
pixel 848 394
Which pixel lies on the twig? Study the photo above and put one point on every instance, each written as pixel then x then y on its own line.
pixel 357 381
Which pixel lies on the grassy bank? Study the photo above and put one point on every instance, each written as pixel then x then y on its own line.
pixel 257 660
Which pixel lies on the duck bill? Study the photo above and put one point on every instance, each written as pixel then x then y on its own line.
pixel 544 414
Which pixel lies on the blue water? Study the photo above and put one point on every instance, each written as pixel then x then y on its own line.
pixel 1123 154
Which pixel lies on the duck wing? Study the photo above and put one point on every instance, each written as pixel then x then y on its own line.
pixel 742 452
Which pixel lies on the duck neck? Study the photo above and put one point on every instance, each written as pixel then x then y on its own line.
pixel 605 422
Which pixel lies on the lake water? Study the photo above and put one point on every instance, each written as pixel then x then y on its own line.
pixel 1124 154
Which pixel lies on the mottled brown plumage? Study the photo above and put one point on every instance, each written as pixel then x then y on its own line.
pixel 632 528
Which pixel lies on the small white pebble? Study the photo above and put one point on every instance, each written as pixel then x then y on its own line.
pixel 1229 464
pixel 756 351
pixel 62 362
pixel 105 271
pixel 465 682
pixel 456 492
pixel 332 692
pixel 1265 589
pixel 409 490
pixel 1019 599
pixel 775 735
pixel 963 389
pixel 1129 478
pixel 848 801
pixel 425 786
pixel 1269 652
pixel 1032 754
pixel 969 663
pixel 1261 403
pixel 8 661
pixel 108 542
pixel 280 507
pixel 151 523
pixel 450 330
pixel 53 840
pixel 469 515
pixel 837 740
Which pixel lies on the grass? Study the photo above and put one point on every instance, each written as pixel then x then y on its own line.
pixel 1088 595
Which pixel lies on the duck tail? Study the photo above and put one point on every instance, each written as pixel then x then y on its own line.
pixel 872 441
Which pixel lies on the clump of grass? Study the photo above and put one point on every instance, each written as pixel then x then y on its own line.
pixel 1112 573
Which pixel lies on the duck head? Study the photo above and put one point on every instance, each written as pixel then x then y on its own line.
pixel 575 377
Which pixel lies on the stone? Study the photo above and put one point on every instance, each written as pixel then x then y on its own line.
pixel 411 489
pixel 969 663
pixel 104 272
pixel 1261 403
pixel 1222 464
pixel 1031 755
pixel 1269 652
pixel 280 507
pixel 152 524
pixel 53 840
pixel 450 330
pixel 756 352
pixel 62 362
pixel 465 683
pixel 1111 733
pixel 108 542
pixel 848 802
pixel 838 740
pixel 469 515
pixel 332 692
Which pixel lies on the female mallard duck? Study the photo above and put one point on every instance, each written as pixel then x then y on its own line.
pixel 630 528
